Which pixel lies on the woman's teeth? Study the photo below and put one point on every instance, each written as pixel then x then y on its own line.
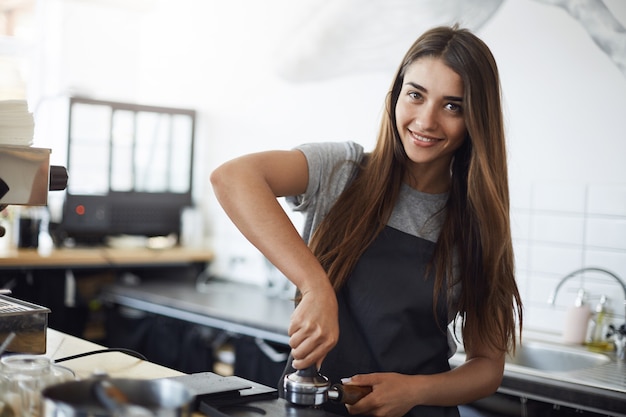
pixel 424 139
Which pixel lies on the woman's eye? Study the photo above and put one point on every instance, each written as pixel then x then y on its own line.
pixel 453 107
pixel 415 95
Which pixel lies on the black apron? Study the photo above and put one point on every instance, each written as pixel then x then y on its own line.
pixel 386 318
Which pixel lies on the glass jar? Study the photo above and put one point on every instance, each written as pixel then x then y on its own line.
pixel 22 378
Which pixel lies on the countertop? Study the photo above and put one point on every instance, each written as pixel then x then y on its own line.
pixel 599 390
pixel 247 309
pixel 235 307
pixel 116 364
pixel 121 365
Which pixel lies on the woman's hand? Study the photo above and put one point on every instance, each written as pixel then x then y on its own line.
pixel 314 327
pixel 393 394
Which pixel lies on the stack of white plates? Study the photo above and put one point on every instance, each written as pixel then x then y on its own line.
pixel 17 125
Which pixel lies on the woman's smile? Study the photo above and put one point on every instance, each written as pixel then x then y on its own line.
pixel 422 139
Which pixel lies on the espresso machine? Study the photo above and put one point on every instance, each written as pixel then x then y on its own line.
pixel 26 177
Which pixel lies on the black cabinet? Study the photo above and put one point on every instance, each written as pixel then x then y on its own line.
pixel 176 344
pixel 504 405
pixel 259 360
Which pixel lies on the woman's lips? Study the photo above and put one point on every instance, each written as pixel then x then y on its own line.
pixel 423 139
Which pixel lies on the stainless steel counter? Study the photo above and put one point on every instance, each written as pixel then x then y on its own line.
pixel 599 389
pixel 235 307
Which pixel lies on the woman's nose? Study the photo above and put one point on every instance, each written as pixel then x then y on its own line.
pixel 426 118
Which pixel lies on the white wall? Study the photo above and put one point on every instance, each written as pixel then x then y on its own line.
pixel 564 99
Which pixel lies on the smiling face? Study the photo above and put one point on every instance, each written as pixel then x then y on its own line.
pixel 430 121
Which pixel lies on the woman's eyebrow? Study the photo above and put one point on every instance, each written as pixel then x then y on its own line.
pixel 454 98
pixel 423 89
pixel 417 86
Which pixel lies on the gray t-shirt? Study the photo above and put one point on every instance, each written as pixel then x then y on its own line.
pixel 332 165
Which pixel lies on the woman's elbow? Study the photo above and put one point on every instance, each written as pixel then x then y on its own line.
pixel 216 177
pixel 221 177
pixel 491 375
pixel 494 379
pixel 495 383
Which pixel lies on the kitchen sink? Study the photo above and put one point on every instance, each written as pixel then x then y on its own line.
pixel 555 358
pixel 544 374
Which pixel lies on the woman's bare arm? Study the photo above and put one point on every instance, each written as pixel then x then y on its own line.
pixel 247 188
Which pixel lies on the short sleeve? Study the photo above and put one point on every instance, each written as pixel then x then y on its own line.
pixel 331 166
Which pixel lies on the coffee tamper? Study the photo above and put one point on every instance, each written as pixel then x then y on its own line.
pixel 310 388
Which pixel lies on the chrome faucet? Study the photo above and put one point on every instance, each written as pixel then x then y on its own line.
pixel 552 297
pixel 617 333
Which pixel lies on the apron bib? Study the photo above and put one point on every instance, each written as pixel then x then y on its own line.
pixel 386 317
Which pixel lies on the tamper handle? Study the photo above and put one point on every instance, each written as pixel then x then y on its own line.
pixel 310 372
pixel 348 394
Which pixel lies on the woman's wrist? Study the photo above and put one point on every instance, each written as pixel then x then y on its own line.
pixel 320 284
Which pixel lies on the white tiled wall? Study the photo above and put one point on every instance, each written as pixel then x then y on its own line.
pixel 560 228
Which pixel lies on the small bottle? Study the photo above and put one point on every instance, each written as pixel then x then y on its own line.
pixel 45 245
pixel 577 321
pixel 597 328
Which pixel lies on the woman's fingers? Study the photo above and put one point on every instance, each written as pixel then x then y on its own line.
pixel 308 350
pixel 314 330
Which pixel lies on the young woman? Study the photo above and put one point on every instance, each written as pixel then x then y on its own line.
pixel 398 242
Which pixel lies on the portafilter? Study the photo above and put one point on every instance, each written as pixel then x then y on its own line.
pixel 308 387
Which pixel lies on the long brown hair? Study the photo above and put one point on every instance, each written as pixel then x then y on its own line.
pixel 476 233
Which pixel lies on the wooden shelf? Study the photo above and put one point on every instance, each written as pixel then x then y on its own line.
pixel 102 257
